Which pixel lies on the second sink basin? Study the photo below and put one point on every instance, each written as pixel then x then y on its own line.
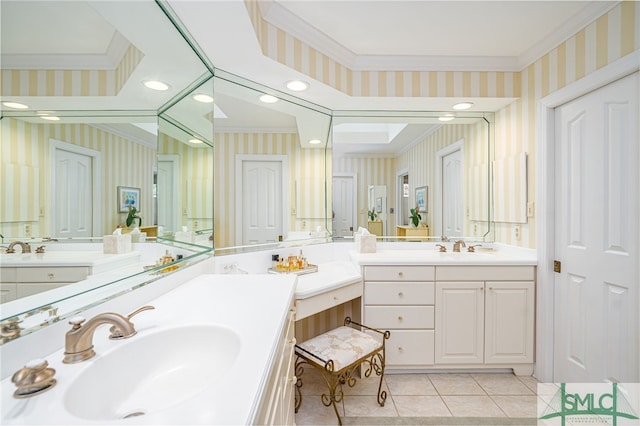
pixel 152 372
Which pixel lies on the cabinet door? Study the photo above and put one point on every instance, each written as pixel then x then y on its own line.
pixel 509 322
pixel 459 324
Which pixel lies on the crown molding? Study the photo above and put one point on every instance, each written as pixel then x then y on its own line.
pixel 293 25
pixel 116 131
pixel 90 62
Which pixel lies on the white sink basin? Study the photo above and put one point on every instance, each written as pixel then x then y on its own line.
pixel 152 372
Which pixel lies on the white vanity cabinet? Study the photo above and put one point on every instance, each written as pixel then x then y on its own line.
pixel 277 406
pixel 446 316
pixel 488 321
pixel 401 299
pixel 20 282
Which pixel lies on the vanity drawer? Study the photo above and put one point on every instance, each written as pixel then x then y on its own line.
pixel 399 273
pixel 390 317
pixel 52 274
pixel 409 293
pixel 410 348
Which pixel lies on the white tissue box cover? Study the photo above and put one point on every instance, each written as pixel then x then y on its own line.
pixel 140 237
pixel 116 244
pixel 185 236
pixel 365 243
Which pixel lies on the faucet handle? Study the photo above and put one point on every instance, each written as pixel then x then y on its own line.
pixel 116 333
pixel 442 249
pixel 33 379
pixel 77 322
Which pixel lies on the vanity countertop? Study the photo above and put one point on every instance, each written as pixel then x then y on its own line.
pixel 255 307
pixel 330 276
pixel 434 257
pixel 96 260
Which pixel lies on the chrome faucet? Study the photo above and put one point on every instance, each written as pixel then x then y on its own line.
pixel 78 345
pixel 26 248
pixel 457 245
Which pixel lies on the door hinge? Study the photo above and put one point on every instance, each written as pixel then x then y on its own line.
pixel 351 228
pixel 279 237
pixel 557 266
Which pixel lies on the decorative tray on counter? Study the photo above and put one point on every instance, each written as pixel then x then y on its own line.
pixel 308 270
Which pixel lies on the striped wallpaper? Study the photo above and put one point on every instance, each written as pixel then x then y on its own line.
pixel 304 164
pixel 70 82
pixel 194 200
pixel 124 163
pixel 610 37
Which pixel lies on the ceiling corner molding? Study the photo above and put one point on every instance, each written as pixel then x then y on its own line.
pixel 577 22
pixel 435 63
pixel 118 132
pixel 117 49
pixel 431 130
pixel 293 25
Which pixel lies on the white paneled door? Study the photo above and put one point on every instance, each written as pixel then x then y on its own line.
pixel 343 206
pixel 262 202
pixel 73 214
pixel 597 232
pixel 452 209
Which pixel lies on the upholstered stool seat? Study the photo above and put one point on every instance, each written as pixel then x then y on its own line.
pixel 337 354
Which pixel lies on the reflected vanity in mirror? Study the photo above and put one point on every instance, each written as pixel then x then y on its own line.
pixel 450 154
pixel 79 121
pixel 270 163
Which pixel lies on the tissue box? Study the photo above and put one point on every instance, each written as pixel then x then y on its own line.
pixel 185 236
pixel 116 244
pixel 139 237
pixel 365 243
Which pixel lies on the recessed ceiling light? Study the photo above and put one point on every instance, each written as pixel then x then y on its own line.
pixel 15 105
pixel 156 85
pixel 446 117
pixel 50 117
pixel 315 141
pixel 268 99
pixel 194 140
pixel 462 105
pixel 205 99
pixel 297 85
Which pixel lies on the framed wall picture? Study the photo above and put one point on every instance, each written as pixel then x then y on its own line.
pixel 421 199
pixel 128 197
pixel 379 205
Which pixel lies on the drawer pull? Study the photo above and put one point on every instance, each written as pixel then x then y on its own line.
pixel 293 379
pixel 50 275
pixel 335 298
pixel 400 294
pixel 400 349
pixel 400 318
pixel 400 274
pixel 292 341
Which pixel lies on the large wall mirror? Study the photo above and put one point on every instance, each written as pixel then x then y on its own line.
pixel 437 164
pixel 77 93
pixel 270 163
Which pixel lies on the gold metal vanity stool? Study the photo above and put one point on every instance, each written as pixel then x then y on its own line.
pixel 338 354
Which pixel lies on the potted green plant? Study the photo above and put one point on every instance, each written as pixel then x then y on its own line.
pixel 415 216
pixel 372 215
pixel 133 215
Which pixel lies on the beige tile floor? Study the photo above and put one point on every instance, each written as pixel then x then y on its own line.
pixel 474 395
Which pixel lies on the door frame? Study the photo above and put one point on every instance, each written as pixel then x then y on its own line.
pixel 354 197
pixel 286 208
pixel 96 171
pixel 174 159
pixel 545 200
pixel 437 200
pixel 399 174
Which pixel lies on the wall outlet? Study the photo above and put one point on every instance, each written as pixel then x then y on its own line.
pixel 27 229
pixel 516 232
pixel 475 229
pixel 195 224
pixel 530 209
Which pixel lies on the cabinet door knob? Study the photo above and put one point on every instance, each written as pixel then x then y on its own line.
pixel 50 275
pixel 400 273
pixel 400 294
pixel 400 318
pixel 400 349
